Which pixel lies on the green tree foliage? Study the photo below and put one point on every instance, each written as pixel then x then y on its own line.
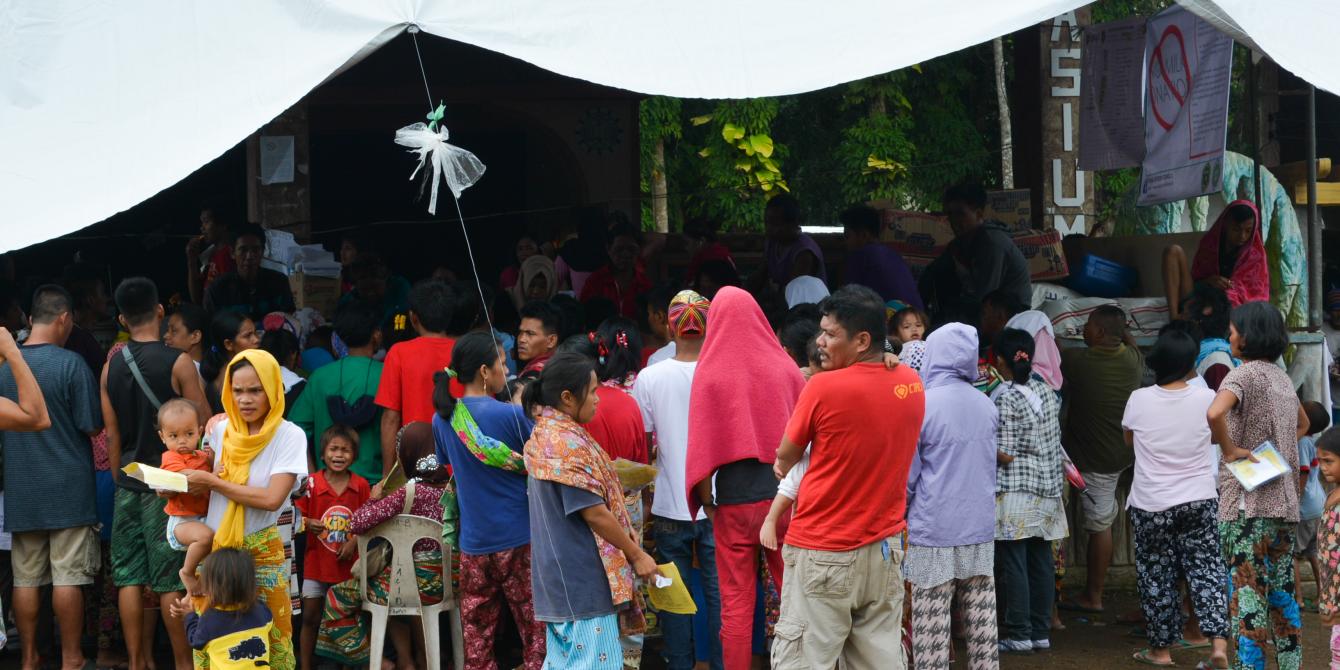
pixel 903 136
pixel 721 161
pixel 660 125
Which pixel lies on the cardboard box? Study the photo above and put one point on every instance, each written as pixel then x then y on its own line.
pixel 915 234
pixel 1046 258
pixel 1013 208
pixel 319 293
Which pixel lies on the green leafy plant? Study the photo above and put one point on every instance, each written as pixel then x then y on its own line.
pixel 738 163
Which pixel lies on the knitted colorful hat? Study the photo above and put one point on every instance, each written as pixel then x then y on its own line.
pixel 1333 300
pixel 688 314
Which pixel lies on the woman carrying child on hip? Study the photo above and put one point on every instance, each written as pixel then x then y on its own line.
pixel 260 458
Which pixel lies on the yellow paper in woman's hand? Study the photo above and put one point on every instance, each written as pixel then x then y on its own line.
pixel 673 597
pixel 394 479
pixel 634 476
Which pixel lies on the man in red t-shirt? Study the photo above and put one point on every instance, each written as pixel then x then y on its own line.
pixel 405 392
pixel 843 592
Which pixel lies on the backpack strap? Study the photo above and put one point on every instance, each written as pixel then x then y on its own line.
pixel 129 358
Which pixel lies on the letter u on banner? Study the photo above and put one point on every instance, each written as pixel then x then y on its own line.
pixel 1058 187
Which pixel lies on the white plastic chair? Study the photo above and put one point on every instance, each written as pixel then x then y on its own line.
pixel 403 598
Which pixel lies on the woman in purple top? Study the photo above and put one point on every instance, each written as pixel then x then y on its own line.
pixel 872 263
pixel 789 252
pixel 951 505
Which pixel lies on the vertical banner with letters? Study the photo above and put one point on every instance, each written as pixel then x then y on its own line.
pixel 1067 191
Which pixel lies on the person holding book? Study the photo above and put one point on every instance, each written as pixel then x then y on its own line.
pixel 1256 405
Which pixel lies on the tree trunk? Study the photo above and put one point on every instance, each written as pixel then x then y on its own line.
pixel 1003 104
pixel 660 213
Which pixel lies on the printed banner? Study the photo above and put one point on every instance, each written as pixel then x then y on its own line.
pixel 1188 67
pixel 1111 128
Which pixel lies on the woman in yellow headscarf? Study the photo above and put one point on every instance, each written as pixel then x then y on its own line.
pixel 259 461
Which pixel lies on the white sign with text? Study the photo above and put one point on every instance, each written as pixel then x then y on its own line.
pixel 1188 68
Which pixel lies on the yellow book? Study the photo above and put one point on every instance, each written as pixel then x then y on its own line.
pixel 669 593
pixel 393 479
pixel 157 479
pixel 634 476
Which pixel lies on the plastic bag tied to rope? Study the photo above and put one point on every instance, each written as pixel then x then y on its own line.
pixel 450 163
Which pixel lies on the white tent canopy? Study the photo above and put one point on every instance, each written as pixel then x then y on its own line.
pixel 104 104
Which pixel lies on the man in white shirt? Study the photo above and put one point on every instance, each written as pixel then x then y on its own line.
pixel 662 391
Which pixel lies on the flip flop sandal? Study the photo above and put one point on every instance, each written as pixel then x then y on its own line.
pixel 1183 644
pixel 1142 656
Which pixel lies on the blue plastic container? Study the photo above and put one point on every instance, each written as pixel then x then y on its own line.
pixel 1098 277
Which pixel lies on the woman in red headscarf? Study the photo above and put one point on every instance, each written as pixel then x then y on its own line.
pixel 1231 257
pixel 744 389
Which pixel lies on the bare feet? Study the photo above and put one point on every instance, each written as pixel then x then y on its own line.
pixel 110 658
pixel 1083 603
pixel 188 579
pixel 1219 656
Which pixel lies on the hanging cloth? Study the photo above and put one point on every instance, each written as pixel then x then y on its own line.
pixel 1250 276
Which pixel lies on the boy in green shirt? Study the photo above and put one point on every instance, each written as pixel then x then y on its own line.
pixel 1099 379
pixel 342 392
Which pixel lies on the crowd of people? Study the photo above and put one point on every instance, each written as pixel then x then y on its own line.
pixel 847 477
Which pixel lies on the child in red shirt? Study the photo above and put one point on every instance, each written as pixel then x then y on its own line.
pixel 328 507
pixel 179 428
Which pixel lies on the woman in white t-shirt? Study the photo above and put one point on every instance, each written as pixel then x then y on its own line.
pixel 259 461
pixel 1173 504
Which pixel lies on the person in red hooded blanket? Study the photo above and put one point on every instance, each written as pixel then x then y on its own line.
pixel 1231 257
pixel 743 392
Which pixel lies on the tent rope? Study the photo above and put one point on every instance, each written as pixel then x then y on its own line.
pixel 484 305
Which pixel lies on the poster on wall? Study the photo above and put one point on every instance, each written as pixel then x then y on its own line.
pixel 1112 131
pixel 1188 68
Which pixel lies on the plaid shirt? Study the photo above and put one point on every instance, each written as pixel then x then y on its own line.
pixel 1033 440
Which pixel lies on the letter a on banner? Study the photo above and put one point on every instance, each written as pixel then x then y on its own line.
pixel 1188 67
